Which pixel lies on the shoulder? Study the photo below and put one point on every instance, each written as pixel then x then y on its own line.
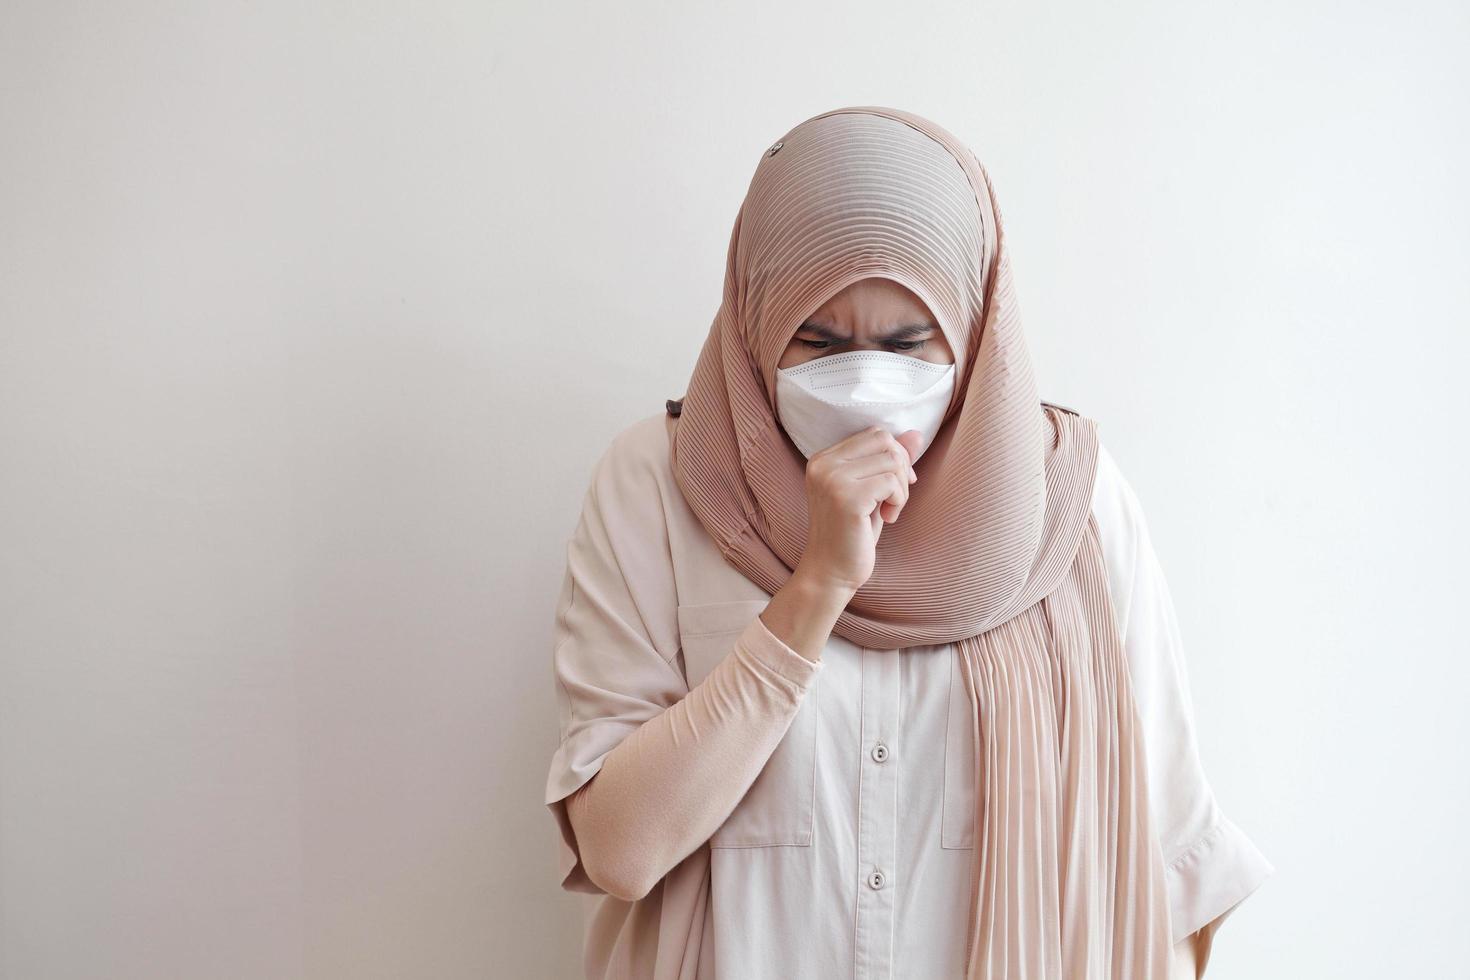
pixel 1113 497
pixel 642 446
pixel 1121 529
pixel 1115 506
pixel 633 469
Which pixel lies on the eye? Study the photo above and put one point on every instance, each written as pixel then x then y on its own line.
pixel 907 346
pixel 817 344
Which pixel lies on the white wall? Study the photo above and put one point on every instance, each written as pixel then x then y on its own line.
pixel 314 317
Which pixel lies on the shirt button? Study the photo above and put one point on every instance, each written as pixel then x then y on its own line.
pixel 880 752
pixel 875 880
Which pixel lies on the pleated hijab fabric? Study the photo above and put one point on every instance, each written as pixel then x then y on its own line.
pixel 996 550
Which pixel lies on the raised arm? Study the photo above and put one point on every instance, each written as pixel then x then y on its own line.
pixel 647 769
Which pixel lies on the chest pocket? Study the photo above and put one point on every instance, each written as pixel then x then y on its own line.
pixel 958 826
pixel 779 808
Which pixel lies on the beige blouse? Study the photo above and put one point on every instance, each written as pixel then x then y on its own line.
pixel 834 797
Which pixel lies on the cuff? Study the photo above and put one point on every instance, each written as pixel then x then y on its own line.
pixel 1210 879
pixel 772 652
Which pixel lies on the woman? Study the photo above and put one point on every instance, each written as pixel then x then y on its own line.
pixel 865 663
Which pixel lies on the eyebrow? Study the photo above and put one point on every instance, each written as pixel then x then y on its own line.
pixel 907 331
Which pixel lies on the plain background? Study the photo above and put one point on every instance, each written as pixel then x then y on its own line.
pixel 316 316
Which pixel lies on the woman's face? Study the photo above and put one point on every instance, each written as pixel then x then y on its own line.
pixel 870 314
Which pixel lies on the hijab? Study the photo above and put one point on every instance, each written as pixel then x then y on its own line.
pixel 996 550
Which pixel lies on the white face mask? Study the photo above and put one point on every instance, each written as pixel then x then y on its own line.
pixel 823 401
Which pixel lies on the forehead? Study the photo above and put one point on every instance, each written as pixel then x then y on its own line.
pixel 873 302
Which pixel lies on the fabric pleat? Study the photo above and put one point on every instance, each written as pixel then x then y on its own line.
pixel 1069 877
pixel 996 549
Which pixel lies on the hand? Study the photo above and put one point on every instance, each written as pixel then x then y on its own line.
pixel 853 488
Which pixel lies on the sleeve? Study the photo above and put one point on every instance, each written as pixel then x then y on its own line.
pixel 677 761
pixel 1211 866
pixel 668 786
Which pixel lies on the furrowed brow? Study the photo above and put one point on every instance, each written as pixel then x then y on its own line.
pixel 907 331
pixel 910 331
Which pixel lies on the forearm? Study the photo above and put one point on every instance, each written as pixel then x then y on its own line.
pixel 670 784
pixel 804 610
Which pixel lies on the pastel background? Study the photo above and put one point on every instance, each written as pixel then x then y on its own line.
pixel 315 316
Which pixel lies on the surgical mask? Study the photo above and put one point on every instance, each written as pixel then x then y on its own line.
pixel 823 401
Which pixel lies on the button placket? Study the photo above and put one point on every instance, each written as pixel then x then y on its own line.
pixel 877 822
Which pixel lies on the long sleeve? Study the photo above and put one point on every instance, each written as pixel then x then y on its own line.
pixel 677 759
pixel 670 784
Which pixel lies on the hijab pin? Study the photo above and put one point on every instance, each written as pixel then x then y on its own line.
pixel 772 151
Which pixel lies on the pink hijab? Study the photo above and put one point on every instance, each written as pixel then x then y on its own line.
pixel 995 552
